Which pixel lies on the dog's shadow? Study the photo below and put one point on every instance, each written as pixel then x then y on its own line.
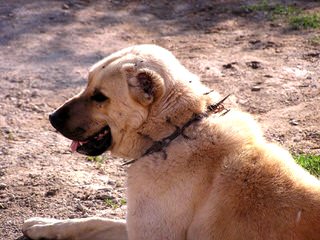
pixel 23 238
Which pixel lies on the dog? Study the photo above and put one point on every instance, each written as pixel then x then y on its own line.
pixel 197 170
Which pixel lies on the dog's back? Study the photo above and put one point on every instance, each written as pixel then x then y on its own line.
pixel 259 191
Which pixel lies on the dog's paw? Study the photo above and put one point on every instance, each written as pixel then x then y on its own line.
pixel 40 228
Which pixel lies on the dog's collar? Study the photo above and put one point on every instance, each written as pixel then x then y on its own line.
pixel 159 146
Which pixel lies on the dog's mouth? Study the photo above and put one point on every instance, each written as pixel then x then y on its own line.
pixel 94 145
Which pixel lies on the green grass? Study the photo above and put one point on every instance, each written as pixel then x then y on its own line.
pixel 284 11
pixel 272 10
pixel 111 203
pixel 309 162
pixel 261 6
pixel 114 204
pixel 293 15
pixel 97 159
pixel 311 20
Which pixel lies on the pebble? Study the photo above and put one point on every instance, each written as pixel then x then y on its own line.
pixel 254 64
pixel 103 196
pixel 294 122
pixel 90 204
pixel 267 76
pixel 51 193
pixel 229 65
pixel 65 6
pixel 112 182
pixel 11 197
pixel 3 186
pixel 81 208
pixel 35 93
pixel 255 88
pixel 106 189
pixel 3 206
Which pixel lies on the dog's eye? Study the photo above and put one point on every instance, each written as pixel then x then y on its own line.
pixel 98 97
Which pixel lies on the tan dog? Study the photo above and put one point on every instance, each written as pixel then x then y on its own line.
pixel 214 177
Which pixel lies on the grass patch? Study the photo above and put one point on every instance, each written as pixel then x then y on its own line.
pixel 311 20
pixel 97 159
pixel 261 6
pixel 272 10
pixel 114 204
pixel 309 162
pixel 111 203
pixel 293 15
pixel 284 10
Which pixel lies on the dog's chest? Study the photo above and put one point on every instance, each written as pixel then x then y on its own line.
pixel 160 206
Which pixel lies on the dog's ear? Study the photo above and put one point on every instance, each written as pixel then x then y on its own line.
pixel 145 85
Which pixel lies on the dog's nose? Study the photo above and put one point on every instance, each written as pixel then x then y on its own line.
pixel 52 118
pixel 55 121
pixel 58 118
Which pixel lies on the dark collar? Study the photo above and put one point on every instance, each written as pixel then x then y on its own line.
pixel 159 146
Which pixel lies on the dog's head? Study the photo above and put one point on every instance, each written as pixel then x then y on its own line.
pixel 128 98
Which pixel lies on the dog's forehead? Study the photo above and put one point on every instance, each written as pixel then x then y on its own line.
pixel 143 56
pixel 100 69
pixel 135 53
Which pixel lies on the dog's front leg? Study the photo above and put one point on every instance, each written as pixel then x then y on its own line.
pixel 76 229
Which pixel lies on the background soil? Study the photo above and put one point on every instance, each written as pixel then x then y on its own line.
pixel 46 48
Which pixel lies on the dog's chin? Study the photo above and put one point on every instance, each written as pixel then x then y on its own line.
pixel 94 145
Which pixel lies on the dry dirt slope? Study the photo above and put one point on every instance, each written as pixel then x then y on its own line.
pixel 47 46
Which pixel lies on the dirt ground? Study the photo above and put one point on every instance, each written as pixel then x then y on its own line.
pixel 46 48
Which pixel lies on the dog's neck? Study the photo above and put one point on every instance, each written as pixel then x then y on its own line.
pixel 160 145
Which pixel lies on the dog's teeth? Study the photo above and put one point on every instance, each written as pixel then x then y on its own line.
pixel 101 135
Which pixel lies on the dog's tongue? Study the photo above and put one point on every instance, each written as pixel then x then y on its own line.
pixel 74 145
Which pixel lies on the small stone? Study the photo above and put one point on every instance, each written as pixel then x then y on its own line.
pixel 3 186
pixel 112 182
pixel 30 175
pixel 65 6
pixel 294 122
pixel 256 41
pixel 254 64
pixel 297 140
pixel 51 193
pixel 3 206
pixel 81 208
pixel 267 76
pixel 275 25
pixel 35 93
pixel 229 65
pixel 255 88
pixel 103 196
pixel 106 189
pixel 90 204
pixel 11 197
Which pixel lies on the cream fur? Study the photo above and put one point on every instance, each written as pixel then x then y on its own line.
pixel 223 182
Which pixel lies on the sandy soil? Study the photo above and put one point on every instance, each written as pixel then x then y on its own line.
pixel 47 47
